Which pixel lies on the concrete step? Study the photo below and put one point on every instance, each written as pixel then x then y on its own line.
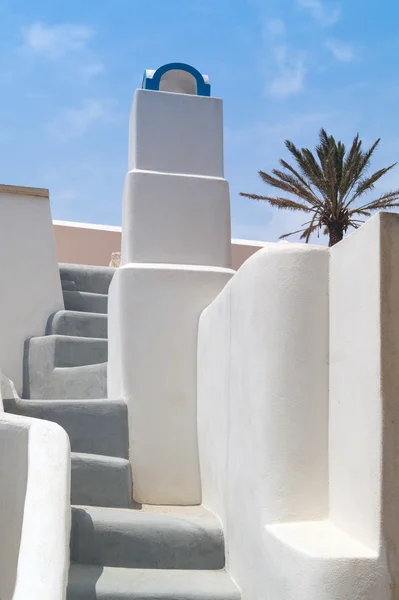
pixel 94 426
pixel 146 540
pixel 75 323
pixel 88 278
pixel 47 363
pixel 89 381
pixel 109 583
pixel 100 480
pixel 68 285
pixel 86 302
pixel 53 351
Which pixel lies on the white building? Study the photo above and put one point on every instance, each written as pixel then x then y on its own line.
pixel 176 429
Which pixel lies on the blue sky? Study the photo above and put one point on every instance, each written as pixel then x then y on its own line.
pixel 284 68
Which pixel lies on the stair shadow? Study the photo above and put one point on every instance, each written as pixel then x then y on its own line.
pixel 83 582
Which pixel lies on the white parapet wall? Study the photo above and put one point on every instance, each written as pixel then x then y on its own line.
pixel 90 244
pixel 31 287
pixel 35 513
pixel 176 258
pixel 298 420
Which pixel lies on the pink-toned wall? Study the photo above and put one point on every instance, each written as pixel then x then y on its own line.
pixel 81 243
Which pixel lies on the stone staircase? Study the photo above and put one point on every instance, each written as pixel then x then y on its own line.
pixel 118 551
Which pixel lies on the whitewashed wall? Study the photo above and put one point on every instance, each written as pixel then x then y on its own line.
pixel 34 508
pixel 29 275
pixel 305 483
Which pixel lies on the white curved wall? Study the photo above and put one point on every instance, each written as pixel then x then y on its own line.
pixel 34 509
pixel 263 413
pixel 13 481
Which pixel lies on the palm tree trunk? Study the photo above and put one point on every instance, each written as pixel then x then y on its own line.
pixel 336 233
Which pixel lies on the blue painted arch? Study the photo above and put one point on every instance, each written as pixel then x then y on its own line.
pixel 153 83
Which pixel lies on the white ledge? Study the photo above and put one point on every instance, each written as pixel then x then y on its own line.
pixel 319 539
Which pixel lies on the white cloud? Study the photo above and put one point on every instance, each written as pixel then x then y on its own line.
pixel 340 50
pixel 291 72
pixel 74 122
pixel 55 41
pixel 288 65
pixel 325 13
pixel 68 43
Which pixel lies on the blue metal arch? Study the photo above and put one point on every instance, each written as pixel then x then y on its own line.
pixel 152 83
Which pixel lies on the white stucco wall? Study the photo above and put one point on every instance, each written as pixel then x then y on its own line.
pixel 31 288
pixel 176 133
pixel 364 390
pixel 152 349
pixel 263 414
pixel 34 509
pixel 176 219
pixel 355 402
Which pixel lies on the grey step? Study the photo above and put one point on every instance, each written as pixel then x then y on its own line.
pixel 68 285
pixel 109 583
pixel 52 351
pixel 71 383
pixel 94 426
pixel 82 324
pixel 146 540
pixel 88 278
pixel 100 480
pixel 57 366
pixel 86 302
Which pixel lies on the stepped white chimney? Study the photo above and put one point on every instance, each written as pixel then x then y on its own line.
pixel 176 258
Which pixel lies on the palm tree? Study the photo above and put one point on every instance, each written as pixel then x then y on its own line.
pixel 328 185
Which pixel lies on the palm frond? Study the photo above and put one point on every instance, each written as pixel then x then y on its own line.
pixel 310 229
pixel 279 202
pixel 350 166
pixel 286 183
pixel 301 179
pixel 367 184
pixel 285 235
pixel 361 166
pixel 293 186
pixel 315 177
pixel 383 201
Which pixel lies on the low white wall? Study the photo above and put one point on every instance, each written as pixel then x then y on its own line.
pixel 34 509
pixel 29 275
pixel 263 381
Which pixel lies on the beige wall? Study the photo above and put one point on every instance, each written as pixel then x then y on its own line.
pixel 78 243
pixel 81 243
